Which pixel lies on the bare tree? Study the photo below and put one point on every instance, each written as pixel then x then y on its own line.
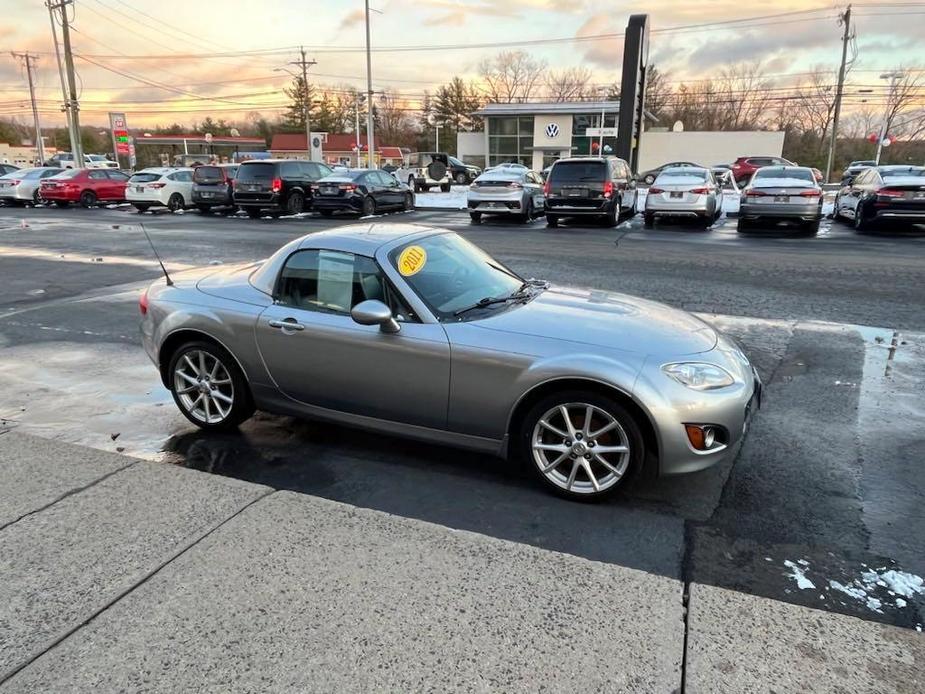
pixel 511 76
pixel 904 102
pixel 394 122
pixel 658 92
pixel 570 84
pixel 744 93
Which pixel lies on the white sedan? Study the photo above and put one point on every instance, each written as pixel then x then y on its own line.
pixel 160 187
pixel 22 186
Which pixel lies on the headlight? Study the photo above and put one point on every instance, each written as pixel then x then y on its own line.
pixel 698 375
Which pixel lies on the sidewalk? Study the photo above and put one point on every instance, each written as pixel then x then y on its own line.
pixel 119 574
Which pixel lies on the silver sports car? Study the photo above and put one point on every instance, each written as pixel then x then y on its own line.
pixel 416 332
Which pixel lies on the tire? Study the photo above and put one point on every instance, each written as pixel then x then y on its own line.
pixel 87 198
pixel 326 213
pixel 141 207
pixel 612 218
pixel 444 187
pixel 295 204
pixel 811 228
pixel 743 225
pixel 475 217
pixel 62 203
pixel 369 207
pixel 575 449
pixel 413 184
pixel 527 215
pixel 649 180
pixel 648 220
pixel 552 221
pixel 860 223
pixel 204 209
pixel 253 212
pixel 226 385
pixel 407 203
pixel 175 202
pixel 462 179
pixel 36 197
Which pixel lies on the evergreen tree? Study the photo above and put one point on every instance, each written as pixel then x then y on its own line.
pixel 294 118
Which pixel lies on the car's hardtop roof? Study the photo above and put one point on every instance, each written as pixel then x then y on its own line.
pixel 899 167
pixel 361 239
pixel 572 160
pixel 163 169
pixel 670 170
pixel 251 162
pixel 353 173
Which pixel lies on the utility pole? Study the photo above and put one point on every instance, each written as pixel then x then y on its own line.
pixel 66 108
pixel 307 103
pixel 356 129
pixel 73 103
pixel 27 59
pixel 371 158
pixel 845 18
pixel 892 76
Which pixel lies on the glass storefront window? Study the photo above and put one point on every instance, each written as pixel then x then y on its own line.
pixel 510 139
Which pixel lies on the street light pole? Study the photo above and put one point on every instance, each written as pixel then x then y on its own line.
pixel 370 146
pixel 437 135
pixel 67 107
pixel 892 76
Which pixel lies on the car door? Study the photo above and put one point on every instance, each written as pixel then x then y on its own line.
pixel 391 191
pixel 117 183
pixel 318 355
pixel 99 184
pixel 534 184
pixel 848 201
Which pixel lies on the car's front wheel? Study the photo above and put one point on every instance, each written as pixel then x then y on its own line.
pixel 208 386
pixel 582 445
pixel 175 203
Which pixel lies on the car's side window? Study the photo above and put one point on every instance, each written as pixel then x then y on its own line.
pixel 290 170
pixel 334 282
pixel 98 175
pixel 117 175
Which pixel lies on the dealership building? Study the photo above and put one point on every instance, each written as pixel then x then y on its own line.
pixel 537 134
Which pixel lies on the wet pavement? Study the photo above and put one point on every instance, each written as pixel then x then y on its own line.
pixel 827 490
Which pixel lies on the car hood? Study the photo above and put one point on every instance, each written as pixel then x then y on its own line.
pixel 606 319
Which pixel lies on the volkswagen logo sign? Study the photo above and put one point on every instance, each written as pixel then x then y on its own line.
pixel 552 130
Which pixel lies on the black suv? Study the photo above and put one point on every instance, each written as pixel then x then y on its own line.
pixel 276 185
pixel 212 186
pixel 601 187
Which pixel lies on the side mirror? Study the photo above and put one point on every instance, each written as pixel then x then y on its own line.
pixel 374 312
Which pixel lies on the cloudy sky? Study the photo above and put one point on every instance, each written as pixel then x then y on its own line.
pixel 180 60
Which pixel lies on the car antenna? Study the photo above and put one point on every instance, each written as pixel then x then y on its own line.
pixel 156 255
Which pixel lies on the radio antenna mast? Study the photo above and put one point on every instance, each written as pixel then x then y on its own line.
pixel 156 255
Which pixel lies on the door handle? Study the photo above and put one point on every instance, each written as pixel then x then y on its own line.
pixel 288 324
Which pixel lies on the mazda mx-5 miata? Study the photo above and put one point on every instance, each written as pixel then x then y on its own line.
pixel 416 332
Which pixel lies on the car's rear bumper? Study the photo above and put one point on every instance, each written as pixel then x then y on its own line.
pixel 15 194
pixel 803 212
pixel 694 208
pixel 211 197
pixel 570 208
pixel 335 204
pixel 59 196
pixel 263 201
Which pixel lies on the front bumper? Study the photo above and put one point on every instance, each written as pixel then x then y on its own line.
pixel 671 406
pixel 811 212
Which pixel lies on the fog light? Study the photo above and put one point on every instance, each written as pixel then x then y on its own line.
pixel 702 437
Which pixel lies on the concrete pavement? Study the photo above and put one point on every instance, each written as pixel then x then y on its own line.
pixel 129 575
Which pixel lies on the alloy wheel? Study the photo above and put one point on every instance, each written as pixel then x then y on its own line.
pixel 204 386
pixel 580 448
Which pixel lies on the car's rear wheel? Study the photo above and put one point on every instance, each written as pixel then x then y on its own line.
pixel 87 198
pixel 612 218
pixel 582 445
pixel 408 202
pixel 208 386
pixel 175 202
pixel 36 197
pixel 648 220
pixel 811 228
pixel 142 208
pixel 369 206
pixel 252 212
pixel 326 213
pixel 527 216
pixel 743 225
pixel 475 217
pixel 861 223
pixel 296 203
pixel 204 209
pixel 462 179
pixel 552 220
pixel 62 203
pixel 445 187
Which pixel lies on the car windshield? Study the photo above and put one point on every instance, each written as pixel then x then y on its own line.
pixel 783 176
pixel 455 162
pixel 681 176
pixel 910 172
pixel 144 177
pixel 577 171
pixel 450 274
pixel 96 157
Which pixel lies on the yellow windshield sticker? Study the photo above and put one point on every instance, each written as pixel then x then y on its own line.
pixel 411 260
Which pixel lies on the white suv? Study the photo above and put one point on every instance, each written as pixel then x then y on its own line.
pixel 425 170
pixel 166 187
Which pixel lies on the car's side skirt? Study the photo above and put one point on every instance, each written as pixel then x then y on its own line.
pixel 271 400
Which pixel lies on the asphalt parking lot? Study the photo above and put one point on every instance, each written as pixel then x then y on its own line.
pixel 825 493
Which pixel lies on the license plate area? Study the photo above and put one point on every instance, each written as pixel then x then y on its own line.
pixel 781 198
pixel 577 192
pixel 676 194
pixel 139 189
pixel 329 190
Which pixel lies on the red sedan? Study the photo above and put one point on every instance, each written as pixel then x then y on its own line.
pixel 86 186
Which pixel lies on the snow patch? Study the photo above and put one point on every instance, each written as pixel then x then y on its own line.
pixel 455 199
pixel 799 574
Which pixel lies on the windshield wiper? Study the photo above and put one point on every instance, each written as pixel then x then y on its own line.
pixel 520 295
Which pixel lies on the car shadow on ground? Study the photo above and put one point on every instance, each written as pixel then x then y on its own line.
pixel 641 526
